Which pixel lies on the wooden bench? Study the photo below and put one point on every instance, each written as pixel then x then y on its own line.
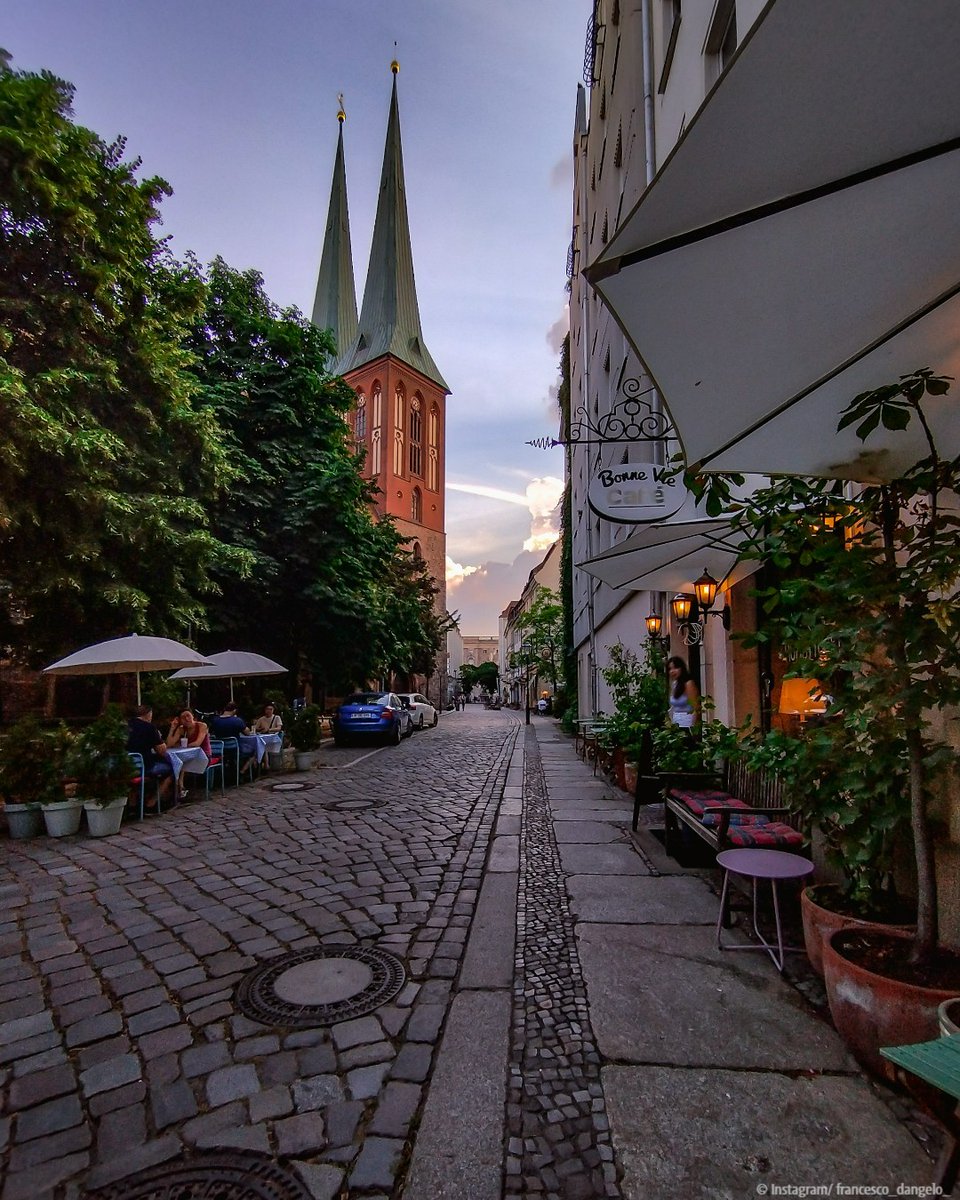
pixel 739 808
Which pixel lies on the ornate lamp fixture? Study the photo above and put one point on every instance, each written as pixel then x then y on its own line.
pixel 654 624
pixel 691 612
pixel 706 590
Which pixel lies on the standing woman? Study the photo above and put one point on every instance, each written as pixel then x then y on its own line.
pixel 684 695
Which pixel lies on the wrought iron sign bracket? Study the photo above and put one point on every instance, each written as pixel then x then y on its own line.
pixel 632 420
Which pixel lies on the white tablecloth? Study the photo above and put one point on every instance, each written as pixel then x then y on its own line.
pixel 260 744
pixel 192 760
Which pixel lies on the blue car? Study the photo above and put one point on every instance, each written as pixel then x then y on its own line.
pixel 372 714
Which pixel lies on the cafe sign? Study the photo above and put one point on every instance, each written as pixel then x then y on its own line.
pixel 635 493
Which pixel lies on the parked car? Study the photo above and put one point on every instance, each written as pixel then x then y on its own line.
pixel 372 714
pixel 421 709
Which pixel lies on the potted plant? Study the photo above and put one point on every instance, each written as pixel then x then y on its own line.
pixel 31 762
pixel 638 690
pixel 98 761
pixel 305 734
pixel 866 601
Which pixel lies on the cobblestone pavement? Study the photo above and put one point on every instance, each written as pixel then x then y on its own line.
pixel 121 1045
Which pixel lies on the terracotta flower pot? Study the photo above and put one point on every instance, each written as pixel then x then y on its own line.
pixel 630 772
pixel 871 1010
pixel 820 922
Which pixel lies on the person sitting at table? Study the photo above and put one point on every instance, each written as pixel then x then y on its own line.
pixel 146 739
pixel 228 723
pixel 269 721
pixel 187 728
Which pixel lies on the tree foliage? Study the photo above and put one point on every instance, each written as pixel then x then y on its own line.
pixel 482 675
pixel 97 533
pixel 542 639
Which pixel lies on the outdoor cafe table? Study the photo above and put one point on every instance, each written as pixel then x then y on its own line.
pixel 190 759
pixel 260 744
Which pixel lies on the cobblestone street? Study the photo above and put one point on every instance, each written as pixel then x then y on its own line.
pixel 122 1045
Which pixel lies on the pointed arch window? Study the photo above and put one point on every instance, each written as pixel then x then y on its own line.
pixel 399 423
pixel 433 449
pixel 376 436
pixel 416 436
pixel 416 506
pixel 360 421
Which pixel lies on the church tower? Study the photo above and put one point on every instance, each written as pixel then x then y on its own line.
pixel 400 417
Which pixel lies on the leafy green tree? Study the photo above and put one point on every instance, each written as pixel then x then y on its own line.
pixel 98 535
pixel 481 675
pixel 542 631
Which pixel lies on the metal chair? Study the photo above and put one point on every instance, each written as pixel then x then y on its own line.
pixel 215 764
pixel 231 747
pixel 139 780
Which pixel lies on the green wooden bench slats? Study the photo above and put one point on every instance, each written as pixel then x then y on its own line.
pixel 936 1062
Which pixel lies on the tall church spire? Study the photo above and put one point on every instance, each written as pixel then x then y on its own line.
pixel 335 305
pixel 390 316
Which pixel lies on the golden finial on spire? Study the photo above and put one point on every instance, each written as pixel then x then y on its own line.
pixel 395 67
pixel 341 111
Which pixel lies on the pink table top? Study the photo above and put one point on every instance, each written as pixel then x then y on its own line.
pixel 764 864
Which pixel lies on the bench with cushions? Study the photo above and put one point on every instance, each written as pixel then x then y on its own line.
pixel 740 809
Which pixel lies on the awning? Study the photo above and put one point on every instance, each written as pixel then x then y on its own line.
pixel 669 557
pixel 801 244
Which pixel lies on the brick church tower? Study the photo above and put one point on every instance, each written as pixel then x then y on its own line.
pixel 400 417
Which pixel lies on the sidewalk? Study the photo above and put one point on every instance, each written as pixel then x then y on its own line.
pixel 706 1074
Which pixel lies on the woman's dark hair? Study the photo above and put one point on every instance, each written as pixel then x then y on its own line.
pixel 682 679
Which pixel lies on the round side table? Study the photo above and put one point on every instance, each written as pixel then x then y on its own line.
pixel 761 864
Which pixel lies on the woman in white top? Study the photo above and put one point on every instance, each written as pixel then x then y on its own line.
pixel 269 722
pixel 684 695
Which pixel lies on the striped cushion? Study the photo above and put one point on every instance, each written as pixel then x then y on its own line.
pixel 705 798
pixel 773 835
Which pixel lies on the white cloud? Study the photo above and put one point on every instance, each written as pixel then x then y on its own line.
pixel 456 573
pixel 541 541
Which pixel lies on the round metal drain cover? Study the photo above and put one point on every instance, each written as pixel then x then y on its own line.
pixel 320 986
pixel 288 787
pixel 352 805
pixel 213 1176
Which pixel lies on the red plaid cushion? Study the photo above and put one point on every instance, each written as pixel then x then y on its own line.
pixel 774 835
pixel 703 798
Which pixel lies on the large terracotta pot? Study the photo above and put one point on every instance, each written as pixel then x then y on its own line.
pixel 870 1010
pixel 619 764
pixel 820 922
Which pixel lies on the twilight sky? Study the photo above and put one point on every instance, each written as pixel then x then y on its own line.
pixel 234 102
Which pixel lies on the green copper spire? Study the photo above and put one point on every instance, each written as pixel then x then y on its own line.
pixel 390 316
pixel 335 306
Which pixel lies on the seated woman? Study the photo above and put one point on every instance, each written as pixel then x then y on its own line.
pixel 187 727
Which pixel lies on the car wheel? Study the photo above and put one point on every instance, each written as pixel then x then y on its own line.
pixel 436 718
pixel 420 726
pixel 396 736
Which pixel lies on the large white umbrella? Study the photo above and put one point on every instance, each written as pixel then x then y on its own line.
pixel 125 656
pixel 232 664
pixel 801 243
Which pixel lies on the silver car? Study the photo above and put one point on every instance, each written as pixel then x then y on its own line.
pixel 421 710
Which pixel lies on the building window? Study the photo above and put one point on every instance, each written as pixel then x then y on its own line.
pixel 360 425
pixel 416 436
pixel 416 506
pixel 399 421
pixel 721 40
pixel 417 552
pixel 376 464
pixel 671 28
pixel 433 450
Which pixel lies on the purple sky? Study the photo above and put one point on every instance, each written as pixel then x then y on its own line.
pixel 234 103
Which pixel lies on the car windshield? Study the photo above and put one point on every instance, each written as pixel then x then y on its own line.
pixel 366 698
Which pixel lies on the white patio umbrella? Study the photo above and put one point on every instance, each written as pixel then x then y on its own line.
pixel 232 664
pixel 801 243
pixel 127 655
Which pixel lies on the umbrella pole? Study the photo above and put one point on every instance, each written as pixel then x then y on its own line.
pixel 231 689
pixel 138 690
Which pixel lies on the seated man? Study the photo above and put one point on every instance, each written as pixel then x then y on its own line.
pixel 228 723
pixel 146 739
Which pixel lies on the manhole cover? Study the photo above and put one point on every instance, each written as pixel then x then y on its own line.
pixel 214 1176
pixel 320 986
pixel 352 805
pixel 288 787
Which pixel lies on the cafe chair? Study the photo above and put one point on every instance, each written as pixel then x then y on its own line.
pixel 231 757
pixel 215 764
pixel 139 781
